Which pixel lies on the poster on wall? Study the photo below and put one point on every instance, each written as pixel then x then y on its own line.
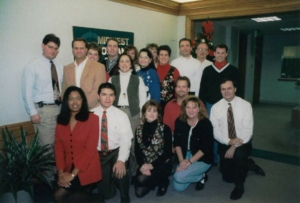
pixel 100 36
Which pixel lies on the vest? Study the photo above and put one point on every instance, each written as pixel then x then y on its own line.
pixel 132 92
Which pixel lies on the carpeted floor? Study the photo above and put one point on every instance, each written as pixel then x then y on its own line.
pixel 276 149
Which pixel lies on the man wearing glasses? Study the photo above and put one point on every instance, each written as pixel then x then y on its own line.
pixel 41 87
pixel 202 52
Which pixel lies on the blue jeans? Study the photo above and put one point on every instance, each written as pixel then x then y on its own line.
pixel 208 109
pixel 194 173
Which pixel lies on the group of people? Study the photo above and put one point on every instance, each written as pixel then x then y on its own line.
pixel 124 120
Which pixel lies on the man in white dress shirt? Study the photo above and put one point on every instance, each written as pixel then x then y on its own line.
pixel 235 143
pixel 119 136
pixel 41 91
pixel 188 66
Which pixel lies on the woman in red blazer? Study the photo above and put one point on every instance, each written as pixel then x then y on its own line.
pixel 76 139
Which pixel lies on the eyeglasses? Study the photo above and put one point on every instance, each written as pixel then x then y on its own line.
pixel 201 49
pixel 53 48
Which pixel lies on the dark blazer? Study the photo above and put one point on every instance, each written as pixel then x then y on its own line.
pixel 79 148
pixel 201 139
pixel 113 71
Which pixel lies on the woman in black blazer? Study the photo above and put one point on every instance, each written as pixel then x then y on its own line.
pixel 193 142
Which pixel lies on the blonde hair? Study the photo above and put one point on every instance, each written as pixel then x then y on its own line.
pixel 202 112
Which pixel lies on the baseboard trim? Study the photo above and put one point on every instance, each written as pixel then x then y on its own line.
pixel 278 102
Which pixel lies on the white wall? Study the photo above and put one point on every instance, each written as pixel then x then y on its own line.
pixel 25 23
pixel 272 90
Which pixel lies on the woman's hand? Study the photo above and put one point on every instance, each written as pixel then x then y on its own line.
pixel 62 181
pixel 145 169
pixel 184 164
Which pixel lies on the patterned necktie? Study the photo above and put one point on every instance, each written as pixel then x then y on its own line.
pixel 104 138
pixel 55 84
pixel 230 120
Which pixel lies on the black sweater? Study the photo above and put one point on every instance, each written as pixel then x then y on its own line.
pixel 201 139
pixel 210 83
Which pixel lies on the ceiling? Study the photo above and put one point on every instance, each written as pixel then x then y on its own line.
pixel 246 25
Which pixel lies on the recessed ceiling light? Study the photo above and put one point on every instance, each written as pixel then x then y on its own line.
pixel 185 1
pixel 266 19
pixel 290 29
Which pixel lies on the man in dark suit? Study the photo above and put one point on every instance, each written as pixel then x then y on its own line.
pixel 84 73
pixel 112 49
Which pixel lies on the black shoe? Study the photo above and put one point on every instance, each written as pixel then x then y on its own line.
pixel 162 190
pixel 237 192
pixel 125 200
pixel 200 184
pixel 214 164
pixel 252 166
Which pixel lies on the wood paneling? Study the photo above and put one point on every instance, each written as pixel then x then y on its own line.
pixel 163 6
pixel 15 128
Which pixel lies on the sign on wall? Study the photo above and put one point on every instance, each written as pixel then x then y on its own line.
pixel 100 36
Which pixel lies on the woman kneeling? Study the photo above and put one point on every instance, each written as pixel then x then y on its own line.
pixel 193 142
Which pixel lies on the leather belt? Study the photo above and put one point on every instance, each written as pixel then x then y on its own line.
pixel 123 107
pixel 104 153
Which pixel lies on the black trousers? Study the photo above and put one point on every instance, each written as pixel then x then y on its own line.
pixel 235 170
pixel 106 187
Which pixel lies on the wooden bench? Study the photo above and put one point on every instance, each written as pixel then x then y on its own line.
pixel 15 128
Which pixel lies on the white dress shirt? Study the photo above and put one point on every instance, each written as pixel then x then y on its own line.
pixel 191 68
pixel 78 71
pixel 119 131
pixel 37 83
pixel 243 119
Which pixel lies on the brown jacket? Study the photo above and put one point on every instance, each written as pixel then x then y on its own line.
pixel 92 76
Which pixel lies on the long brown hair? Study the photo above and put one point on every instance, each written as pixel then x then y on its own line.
pixel 201 114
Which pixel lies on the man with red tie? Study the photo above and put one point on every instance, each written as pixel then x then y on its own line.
pixel 114 145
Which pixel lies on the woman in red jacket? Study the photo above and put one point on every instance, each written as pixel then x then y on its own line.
pixel 76 139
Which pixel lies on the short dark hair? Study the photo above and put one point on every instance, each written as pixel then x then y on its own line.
pixel 164 48
pixel 64 116
pixel 149 54
pixel 96 47
pixel 51 38
pixel 184 78
pixel 131 64
pixel 79 40
pixel 222 46
pixel 224 80
pixel 108 86
pixel 151 103
pixel 185 39
pixel 129 48
pixel 111 39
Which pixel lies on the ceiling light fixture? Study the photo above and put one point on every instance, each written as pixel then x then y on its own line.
pixel 290 29
pixel 266 19
pixel 185 1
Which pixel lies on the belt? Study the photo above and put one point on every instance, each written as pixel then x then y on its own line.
pixel 123 107
pixel 49 104
pixel 104 153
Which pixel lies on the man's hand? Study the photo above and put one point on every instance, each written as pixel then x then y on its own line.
pixel 119 169
pixel 35 119
pixel 230 152
pixel 236 142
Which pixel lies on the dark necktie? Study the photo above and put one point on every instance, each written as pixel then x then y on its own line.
pixel 230 120
pixel 55 84
pixel 104 138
